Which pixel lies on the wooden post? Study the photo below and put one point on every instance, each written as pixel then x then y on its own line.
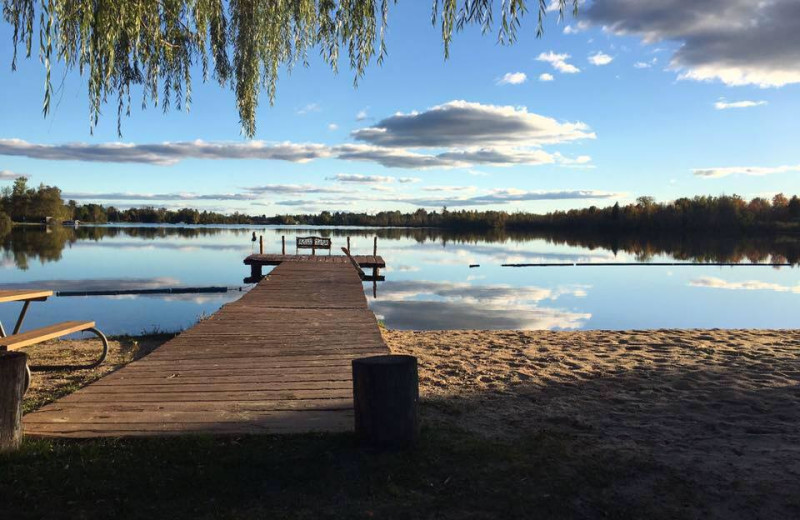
pixel 12 388
pixel 283 244
pixel 375 247
pixel 261 244
pixel 386 400
pixel 348 243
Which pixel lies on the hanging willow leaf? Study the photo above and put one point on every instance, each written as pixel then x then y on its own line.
pixel 155 43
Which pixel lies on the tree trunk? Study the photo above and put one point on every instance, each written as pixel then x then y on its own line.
pixel 12 387
pixel 385 400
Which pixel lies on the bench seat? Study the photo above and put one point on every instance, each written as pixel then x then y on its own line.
pixel 32 337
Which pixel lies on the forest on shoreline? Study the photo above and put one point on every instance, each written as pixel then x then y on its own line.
pixel 726 214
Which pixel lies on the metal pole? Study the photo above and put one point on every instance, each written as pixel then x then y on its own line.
pixel 21 316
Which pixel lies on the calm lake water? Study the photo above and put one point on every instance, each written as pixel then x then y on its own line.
pixel 429 284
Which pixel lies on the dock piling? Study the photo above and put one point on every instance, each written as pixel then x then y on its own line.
pixel 386 400
pixel 12 388
pixel 283 244
pixel 375 247
pixel 261 244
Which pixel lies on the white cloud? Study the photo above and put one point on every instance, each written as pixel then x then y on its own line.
pixel 737 42
pixel 308 204
pixel 449 189
pixel 599 59
pixel 7 175
pixel 311 107
pixel 164 154
pixel 559 62
pixel 744 170
pixel 360 179
pixel 511 195
pixel 723 105
pixel 460 196
pixel 460 134
pixel 546 77
pixel 362 114
pixel 156 196
pixel 371 179
pixel 293 189
pixel 333 126
pixel 513 78
pixel 467 124
pixel 581 161
pixel 747 285
pixel 575 29
pixel 403 158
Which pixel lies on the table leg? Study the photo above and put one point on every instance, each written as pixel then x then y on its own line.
pixel 21 318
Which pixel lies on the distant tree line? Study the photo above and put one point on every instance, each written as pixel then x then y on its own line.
pixel 24 244
pixel 22 203
pixel 726 214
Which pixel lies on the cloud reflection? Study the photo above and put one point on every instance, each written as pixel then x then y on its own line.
pixel 452 305
pixel 746 285
pixel 97 284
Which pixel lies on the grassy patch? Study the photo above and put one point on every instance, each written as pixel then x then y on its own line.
pixel 451 474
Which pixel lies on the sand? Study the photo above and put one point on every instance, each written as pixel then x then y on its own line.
pixel 721 407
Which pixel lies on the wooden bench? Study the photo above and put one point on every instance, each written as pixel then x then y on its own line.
pixel 313 243
pixel 58 330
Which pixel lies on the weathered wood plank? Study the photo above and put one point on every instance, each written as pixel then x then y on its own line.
pixel 275 361
pixel 32 337
pixel 138 396
pixel 199 406
pixel 18 295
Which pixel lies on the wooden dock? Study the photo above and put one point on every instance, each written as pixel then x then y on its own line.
pixel 275 361
pixel 257 262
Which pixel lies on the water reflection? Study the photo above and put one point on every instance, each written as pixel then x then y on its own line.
pixel 96 284
pixel 746 285
pixel 430 315
pixel 450 305
pixel 429 282
pixel 26 243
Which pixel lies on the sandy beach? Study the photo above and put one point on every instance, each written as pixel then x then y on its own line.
pixel 720 407
pixel 717 409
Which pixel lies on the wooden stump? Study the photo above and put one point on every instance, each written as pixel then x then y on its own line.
pixel 12 387
pixel 385 400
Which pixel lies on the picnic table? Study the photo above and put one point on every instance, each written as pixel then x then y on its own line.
pixel 24 295
pixel 17 339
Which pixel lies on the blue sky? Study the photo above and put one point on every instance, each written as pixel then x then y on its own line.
pixel 666 101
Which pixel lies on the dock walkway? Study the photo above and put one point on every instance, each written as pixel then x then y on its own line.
pixel 275 361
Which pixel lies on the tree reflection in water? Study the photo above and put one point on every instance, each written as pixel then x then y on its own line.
pixel 26 243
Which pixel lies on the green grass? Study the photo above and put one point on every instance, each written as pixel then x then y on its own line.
pixel 450 474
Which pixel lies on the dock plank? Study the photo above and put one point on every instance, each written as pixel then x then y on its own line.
pixel 275 361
